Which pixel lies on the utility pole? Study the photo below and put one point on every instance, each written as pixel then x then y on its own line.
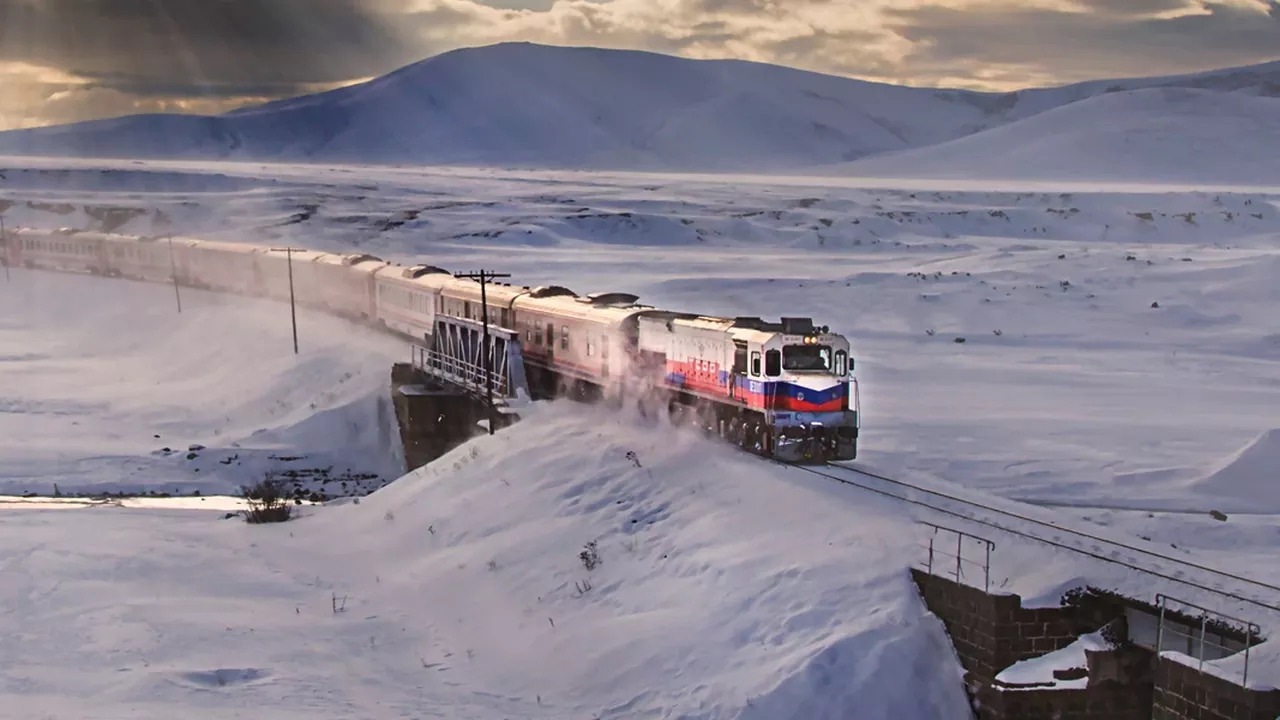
pixel 173 270
pixel 293 309
pixel 4 245
pixel 161 222
pixel 484 276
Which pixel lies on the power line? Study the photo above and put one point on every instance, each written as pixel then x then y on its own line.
pixel 1036 538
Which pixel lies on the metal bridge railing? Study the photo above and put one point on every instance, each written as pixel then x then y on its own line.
pixel 458 371
pixel 1210 641
pixel 942 552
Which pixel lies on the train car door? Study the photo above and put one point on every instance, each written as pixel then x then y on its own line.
pixel 739 368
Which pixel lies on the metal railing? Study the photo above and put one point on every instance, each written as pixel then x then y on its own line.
pixel 1215 639
pixel 461 372
pixel 938 550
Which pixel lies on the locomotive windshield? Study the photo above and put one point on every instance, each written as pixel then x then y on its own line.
pixel 806 357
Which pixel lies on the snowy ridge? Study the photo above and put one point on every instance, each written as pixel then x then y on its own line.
pixel 1173 135
pixel 526 105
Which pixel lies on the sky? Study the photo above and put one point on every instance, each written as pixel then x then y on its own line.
pixel 69 60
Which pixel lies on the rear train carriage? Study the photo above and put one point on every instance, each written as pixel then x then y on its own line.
pixel 407 298
pixel 66 250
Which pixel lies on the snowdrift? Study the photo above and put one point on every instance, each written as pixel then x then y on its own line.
pixel 1166 135
pixel 1252 474
pixel 1246 481
pixel 724 588
pixel 520 104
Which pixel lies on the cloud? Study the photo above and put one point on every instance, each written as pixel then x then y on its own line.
pixel 205 43
pixel 207 55
pixel 1095 39
pixel 116 56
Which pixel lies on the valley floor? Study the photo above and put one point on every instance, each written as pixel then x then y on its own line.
pixel 1120 368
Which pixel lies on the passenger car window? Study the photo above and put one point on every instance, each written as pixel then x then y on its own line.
pixel 773 363
pixel 564 337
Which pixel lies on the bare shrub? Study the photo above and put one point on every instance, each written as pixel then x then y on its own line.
pixel 589 556
pixel 267 502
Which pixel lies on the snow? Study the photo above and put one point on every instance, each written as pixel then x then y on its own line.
pixel 98 377
pixel 572 108
pixel 1149 135
pixel 1038 672
pixel 457 597
pixel 1244 481
pixel 1064 415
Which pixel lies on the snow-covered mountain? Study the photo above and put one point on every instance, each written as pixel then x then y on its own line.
pixel 1162 134
pixel 533 105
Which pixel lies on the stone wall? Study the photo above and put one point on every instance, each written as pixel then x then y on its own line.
pixel 1185 693
pixel 432 421
pixel 1105 701
pixel 992 632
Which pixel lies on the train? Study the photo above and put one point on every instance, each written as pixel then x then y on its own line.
pixel 785 390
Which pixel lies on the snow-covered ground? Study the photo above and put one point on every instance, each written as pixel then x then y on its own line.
pixel 1121 355
pixel 722 590
pixel 105 387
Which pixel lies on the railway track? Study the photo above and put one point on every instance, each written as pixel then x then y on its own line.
pixel 1144 560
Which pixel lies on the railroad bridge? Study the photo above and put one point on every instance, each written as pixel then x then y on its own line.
pixel 462 377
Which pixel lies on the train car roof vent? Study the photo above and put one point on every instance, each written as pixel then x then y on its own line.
pixel 798 326
pixel 357 258
pixel 610 298
pixel 417 271
pixel 546 291
pixel 748 322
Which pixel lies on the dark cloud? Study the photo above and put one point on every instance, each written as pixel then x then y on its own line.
pixel 65 60
pixel 948 42
pixel 209 47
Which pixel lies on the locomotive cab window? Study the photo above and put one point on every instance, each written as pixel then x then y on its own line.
pixel 806 357
pixel 564 337
pixel 841 362
pixel 537 332
pixel 755 364
pixel 773 363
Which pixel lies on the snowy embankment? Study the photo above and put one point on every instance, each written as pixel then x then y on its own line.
pixel 723 589
pixel 105 387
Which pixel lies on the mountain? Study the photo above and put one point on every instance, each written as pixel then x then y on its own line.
pixel 1160 134
pixel 520 104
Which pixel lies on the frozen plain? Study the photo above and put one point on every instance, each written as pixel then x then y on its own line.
pixel 1088 396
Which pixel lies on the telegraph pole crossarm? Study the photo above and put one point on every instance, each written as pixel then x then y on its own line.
pixel 484 276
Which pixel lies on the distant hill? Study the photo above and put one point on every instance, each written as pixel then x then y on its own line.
pixel 520 104
pixel 1169 135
